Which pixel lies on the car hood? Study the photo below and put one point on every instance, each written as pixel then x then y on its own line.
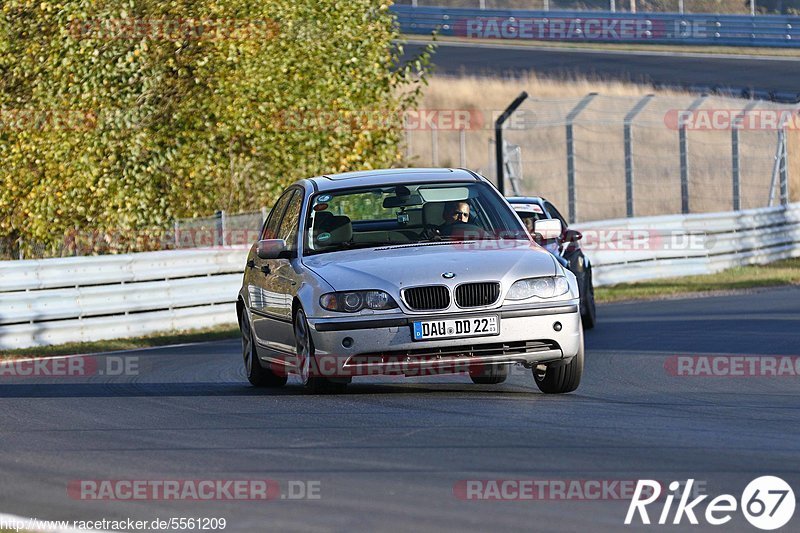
pixel 393 268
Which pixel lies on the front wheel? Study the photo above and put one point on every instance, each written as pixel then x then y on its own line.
pixel 558 377
pixel 307 367
pixel 588 312
pixel 257 375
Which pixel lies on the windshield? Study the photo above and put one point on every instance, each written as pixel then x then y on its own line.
pixel 408 214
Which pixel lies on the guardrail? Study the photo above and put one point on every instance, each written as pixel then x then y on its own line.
pixel 81 299
pixel 52 301
pixel 602 26
pixel 636 249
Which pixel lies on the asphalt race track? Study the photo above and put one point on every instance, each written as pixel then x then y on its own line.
pixel 668 68
pixel 388 455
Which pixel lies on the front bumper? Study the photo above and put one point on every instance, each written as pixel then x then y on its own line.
pixel 383 343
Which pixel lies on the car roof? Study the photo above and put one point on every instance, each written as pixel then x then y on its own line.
pixel 392 176
pixel 525 200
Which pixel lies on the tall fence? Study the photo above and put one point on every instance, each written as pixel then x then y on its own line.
pixel 605 27
pixel 606 157
pixel 51 301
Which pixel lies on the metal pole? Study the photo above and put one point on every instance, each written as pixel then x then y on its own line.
pixel 489 164
pixel 218 228
pixel 776 168
pixel 547 5
pixel 737 204
pixel 435 146
pixel 784 168
pixel 482 4
pixel 612 6
pixel 629 210
pixel 573 215
pixel 680 6
pixel 752 8
pixel 462 148
pixel 498 139
pixel 633 6
pixel 684 154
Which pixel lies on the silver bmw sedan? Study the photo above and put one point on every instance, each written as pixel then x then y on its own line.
pixel 405 271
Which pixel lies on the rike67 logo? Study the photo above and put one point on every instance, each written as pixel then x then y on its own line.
pixel 767 503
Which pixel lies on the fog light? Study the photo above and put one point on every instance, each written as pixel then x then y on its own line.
pixel 347 342
pixel 557 326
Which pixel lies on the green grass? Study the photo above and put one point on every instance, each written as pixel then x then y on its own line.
pixel 725 50
pixel 158 339
pixel 749 277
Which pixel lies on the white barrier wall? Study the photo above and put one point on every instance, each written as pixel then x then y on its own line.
pixel 636 249
pixel 52 301
pixel 79 299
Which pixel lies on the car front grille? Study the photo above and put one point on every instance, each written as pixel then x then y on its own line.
pixel 477 294
pixel 427 298
pixel 449 352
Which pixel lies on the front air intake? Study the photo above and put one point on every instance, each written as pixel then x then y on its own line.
pixel 432 298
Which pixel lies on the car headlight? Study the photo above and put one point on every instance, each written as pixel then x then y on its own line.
pixel 547 287
pixel 355 301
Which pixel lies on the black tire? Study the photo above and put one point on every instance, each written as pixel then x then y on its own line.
pixel 489 374
pixel 306 365
pixel 558 378
pixel 257 375
pixel 588 311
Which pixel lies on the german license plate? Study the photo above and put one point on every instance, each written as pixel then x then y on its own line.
pixel 455 327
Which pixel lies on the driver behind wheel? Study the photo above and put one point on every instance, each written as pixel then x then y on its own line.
pixel 457 223
pixel 456 213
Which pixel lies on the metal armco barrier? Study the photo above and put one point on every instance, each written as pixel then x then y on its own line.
pixel 52 301
pixel 600 26
pixel 80 299
pixel 636 249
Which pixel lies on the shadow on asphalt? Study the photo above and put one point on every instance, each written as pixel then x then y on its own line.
pixel 116 390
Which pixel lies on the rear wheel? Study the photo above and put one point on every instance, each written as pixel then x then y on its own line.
pixel 489 374
pixel 306 363
pixel 558 377
pixel 257 375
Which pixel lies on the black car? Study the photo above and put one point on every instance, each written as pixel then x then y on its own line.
pixel 566 248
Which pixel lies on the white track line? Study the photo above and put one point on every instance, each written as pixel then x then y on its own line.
pixel 145 349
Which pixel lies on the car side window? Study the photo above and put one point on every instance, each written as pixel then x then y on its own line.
pixel 275 216
pixel 291 221
pixel 554 212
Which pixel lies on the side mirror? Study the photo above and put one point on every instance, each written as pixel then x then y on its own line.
pixel 572 235
pixel 270 248
pixel 548 228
